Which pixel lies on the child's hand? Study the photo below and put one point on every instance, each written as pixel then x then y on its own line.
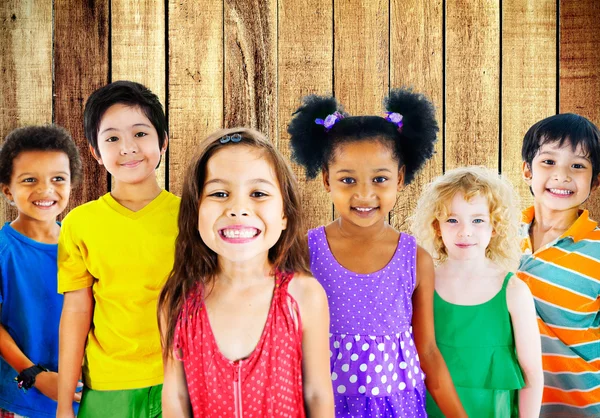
pixel 47 383
pixel 65 414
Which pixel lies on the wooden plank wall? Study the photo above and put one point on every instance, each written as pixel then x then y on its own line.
pixel 492 68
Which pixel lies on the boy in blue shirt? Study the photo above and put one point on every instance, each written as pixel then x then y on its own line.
pixel 38 166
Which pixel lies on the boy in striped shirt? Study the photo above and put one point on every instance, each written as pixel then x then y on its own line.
pixel 561 260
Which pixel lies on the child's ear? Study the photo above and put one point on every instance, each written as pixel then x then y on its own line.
pixel 326 180
pixel 527 173
pixel 7 193
pixel 284 222
pixel 165 144
pixel 95 154
pixel 401 174
pixel 595 183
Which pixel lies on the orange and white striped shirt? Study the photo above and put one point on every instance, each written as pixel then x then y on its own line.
pixel 564 278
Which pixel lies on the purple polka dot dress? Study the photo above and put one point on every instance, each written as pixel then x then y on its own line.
pixel 374 363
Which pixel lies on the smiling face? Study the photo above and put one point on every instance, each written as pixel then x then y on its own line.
pixel 559 177
pixel 363 180
pixel 240 214
pixel 128 144
pixel 467 231
pixel 40 185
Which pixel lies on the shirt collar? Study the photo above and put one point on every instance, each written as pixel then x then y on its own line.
pixel 580 228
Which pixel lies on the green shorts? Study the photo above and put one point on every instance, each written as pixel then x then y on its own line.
pixel 133 403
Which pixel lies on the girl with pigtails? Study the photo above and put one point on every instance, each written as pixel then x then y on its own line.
pixel 379 283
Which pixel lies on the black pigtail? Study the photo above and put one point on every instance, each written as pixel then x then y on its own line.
pixel 308 139
pixel 419 128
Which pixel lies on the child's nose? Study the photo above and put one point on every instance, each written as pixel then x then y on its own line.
pixel 128 146
pixel 561 173
pixel 45 186
pixel 238 207
pixel 465 231
pixel 364 190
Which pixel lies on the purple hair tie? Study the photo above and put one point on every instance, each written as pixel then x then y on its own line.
pixel 330 120
pixel 395 118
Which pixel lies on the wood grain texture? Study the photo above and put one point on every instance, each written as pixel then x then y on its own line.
pixel 361 57
pixel 250 93
pixel 580 67
pixel 248 62
pixel 528 79
pixel 416 60
pixel 472 83
pixel 80 67
pixel 138 48
pixel 305 66
pixel 25 70
pixel 195 80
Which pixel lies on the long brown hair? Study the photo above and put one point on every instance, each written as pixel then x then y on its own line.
pixel 195 263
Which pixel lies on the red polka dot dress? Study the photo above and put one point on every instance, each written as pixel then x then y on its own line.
pixel 266 384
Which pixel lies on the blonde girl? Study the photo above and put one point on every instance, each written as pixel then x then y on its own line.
pixel 485 321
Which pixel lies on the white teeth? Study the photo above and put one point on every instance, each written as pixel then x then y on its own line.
pixel 239 233
pixel 561 191
pixel 45 203
pixel 364 209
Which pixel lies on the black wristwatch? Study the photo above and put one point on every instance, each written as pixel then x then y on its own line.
pixel 26 379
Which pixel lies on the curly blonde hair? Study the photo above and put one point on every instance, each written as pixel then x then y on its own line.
pixel 433 208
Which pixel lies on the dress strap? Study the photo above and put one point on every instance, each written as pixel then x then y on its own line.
pixel 506 280
pixel 282 280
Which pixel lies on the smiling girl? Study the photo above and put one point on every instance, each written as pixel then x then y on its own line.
pixel 485 321
pixel 244 325
pixel 379 283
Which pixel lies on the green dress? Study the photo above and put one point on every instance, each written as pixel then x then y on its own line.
pixel 478 346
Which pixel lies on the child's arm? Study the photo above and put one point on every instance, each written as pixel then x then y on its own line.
pixel 175 396
pixel 10 351
pixel 529 346
pixel 438 380
pixel 314 316
pixel 45 382
pixel 75 321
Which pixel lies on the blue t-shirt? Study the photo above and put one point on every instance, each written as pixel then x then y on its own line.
pixel 31 309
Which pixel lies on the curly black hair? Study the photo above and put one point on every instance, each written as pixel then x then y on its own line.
pixel 313 145
pixel 38 138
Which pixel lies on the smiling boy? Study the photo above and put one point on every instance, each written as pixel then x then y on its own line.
pixel 561 260
pixel 114 256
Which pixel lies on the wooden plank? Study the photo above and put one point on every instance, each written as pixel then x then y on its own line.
pixel 80 67
pixel 195 79
pixel 138 48
pixel 472 83
pixel 579 68
pixel 305 66
pixel 361 58
pixel 251 65
pixel 528 79
pixel 416 60
pixel 25 70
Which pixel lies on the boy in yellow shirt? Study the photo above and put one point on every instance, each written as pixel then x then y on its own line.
pixel 114 255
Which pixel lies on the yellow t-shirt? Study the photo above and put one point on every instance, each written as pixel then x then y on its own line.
pixel 125 257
